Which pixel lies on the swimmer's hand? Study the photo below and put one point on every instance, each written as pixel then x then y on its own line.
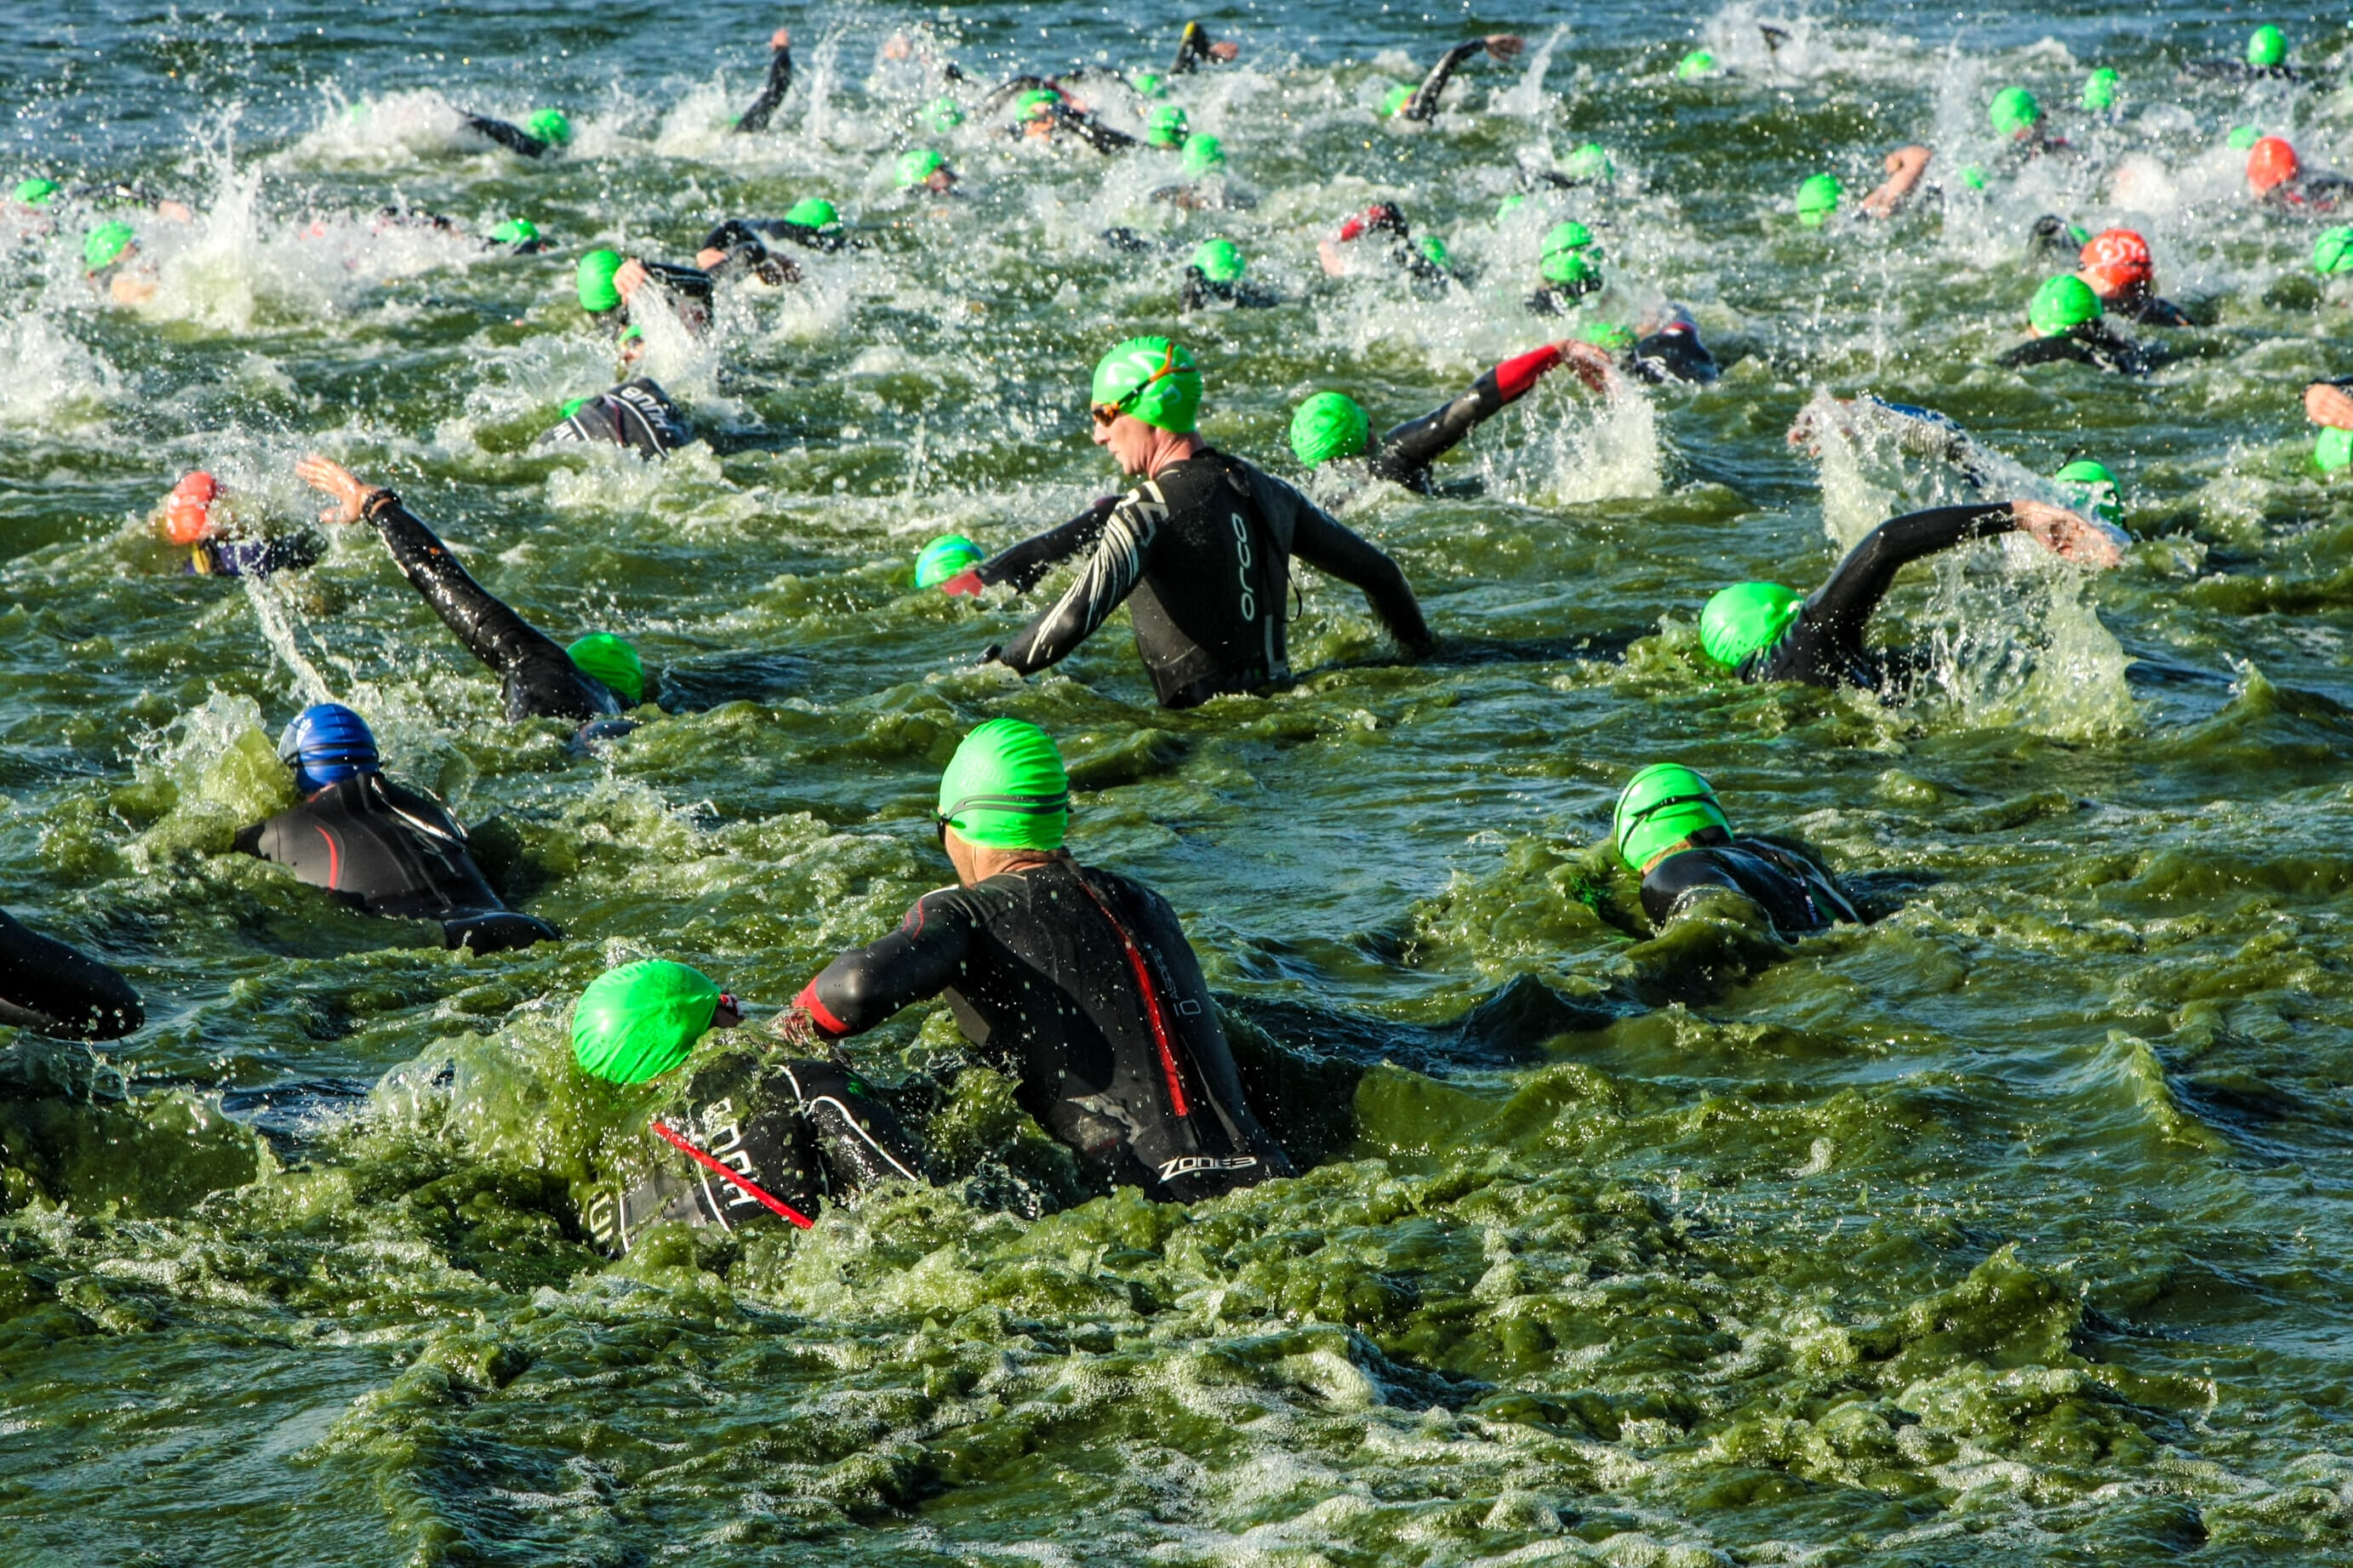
pixel 340 483
pixel 965 582
pixel 782 39
pixel 1223 50
pixel 1591 365
pixel 993 654
pixel 797 1029
pixel 1504 45
pixel 2326 403
pixel 631 276
pixel 2067 535
pixel 1805 431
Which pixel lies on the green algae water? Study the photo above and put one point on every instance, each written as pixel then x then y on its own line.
pixel 2010 1227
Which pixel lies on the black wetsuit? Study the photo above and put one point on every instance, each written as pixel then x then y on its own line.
pixel 393 851
pixel 255 557
pixel 772 92
pixel 1385 219
pixel 1423 104
pixel 793 1133
pixel 1559 298
pixel 1080 123
pixel 1200 291
pixel 1403 455
pixel 1079 984
pixel 1673 353
pixel 1796 894
pixel 1192 49
pixel 2223 70
pixel 2088 342
pixel 539 678
pixel 755 233
pixel 46 986
pixel 1824 646
pixel 514 138
pixel 635 413
pixel 1205 547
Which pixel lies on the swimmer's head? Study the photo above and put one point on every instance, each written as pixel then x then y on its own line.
pixel 1745 619
pixel 1005 788
pixel 1433 250
pixel 2116 262
pixel 2271 163
pixel 1166 126
pixel 2061 305
pixel 2095 489
pixel 2100 89
pixel 1571 272
pixel 813 212
pixel 942 115
pixel 1817 198
pixel 1220 261
pixel 1695 65
pixel 34 192
pixel 1149 84
pixel 921 166
pixel 943 557
pixel 602 657
pixel 1037 103
pixel 2242 137
pixel 1510 205
pixel 326 743
pixel 188 510
pixel 107 244
pixel 550 126
pixel 1204 155
pixel 1327 427
pixel 2332 252
pixel 2333 448
pixel 1589 161
pixel 1393 101
pixel 2013 112
pixel 1152 379
pixel 2266 48
pixel 594 280
pixel 519 232
pixel 639 1021
pixel 1659 809
pixel 1607 336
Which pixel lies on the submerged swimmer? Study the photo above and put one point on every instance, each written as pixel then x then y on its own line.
pixel 1671 832
pixel 1330 434
pixel 2278 178
pixel 53 989
pixel 1381 231
pixel 637 413
pixel 1204 543
pixel 192 516
pixel 2265 60
pixel 748 244
pixel 1421 102
pixel 1767 632
pixel 2117 265
pixel 543 133
pixel 389 850
pixel 1214 276
pixel 2066 320
pixel 608 286
pixel 1565 263
pixel 599 678
pixel 1075 982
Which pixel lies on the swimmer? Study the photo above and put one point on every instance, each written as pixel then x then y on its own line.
pixel 52 989
pixel 1204 543
pixel 1076 982
pixel 637 413
pixel 372 843
pixel 196 517
pixel 2115 263
pixel 2066 321
pixel 1380 232
pixel 2019 121
pixel 1565 263
pixel 812 222
pixel 745 1141
pixel 1904 168
pixel 608 286
pixel 923 169
pixel 1214 276
pixel 2265 59
pixel 2278 178
pixel 114 265
pixel 1665 346
pixel 1922 432
pixel 597 679
pixel 543 133
pixel 1042 110
pixel 1671 832
pixel 1767 632
pixel 1196 47
pixel 1205 187
pixel 1421 102
pixel 1330 434
pixel 2329 405
pixel 772 91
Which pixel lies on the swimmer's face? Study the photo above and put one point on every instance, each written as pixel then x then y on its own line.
pixel 1129 440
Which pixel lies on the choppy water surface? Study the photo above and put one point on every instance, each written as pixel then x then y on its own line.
pixel 2010 1228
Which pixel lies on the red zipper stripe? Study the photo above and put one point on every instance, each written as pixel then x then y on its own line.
pixel 1151 1002
pixel 731 1177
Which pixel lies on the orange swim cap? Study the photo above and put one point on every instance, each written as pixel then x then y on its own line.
pixel 2270 163
pixel 2116 261
pixel 188 510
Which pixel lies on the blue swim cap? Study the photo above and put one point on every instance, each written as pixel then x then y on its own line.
pixel 326 743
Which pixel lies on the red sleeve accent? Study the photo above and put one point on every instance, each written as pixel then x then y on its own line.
pixel 1352 228
pixel 965 582
pixel 833 1027
pixel 1514 376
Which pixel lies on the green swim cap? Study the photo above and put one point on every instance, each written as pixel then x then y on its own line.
pixel 2266 48
pixel 2100 89
pixel 1035 104
pixel 2242 137
pixel 1005 788
pixel 2101 492
pixel 1973 176
pixel 594 279
pixel 1394 101
pixel 550 126
pixel 35 192
pixel 2332 251
pixel 1607 335
pixel 602 657
pixel 2063 304
pixel 1219 262
pixel 1695 65
pixel 1433 250
pixel 516 231
pixel 1328 425
pixel 1153 379
pixel 1166 128
pixel 943 114
pixel 1745 619
pixel 1148 84
pixel 1511 205
pixel 642 1019
pixel 813 212
pixel 1566 237
pixel 2333 448
pixel 1569 270
pixel 571 407
pixel 2013 109
pixel 1660 807
pixel 1817 198
pixel 943 557
pixel 919 165
pixel 103 246
pixel 1589 161
pixel 1204 154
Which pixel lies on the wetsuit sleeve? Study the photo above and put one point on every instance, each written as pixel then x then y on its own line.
pixel 1024 564
pixel 50 987
pixel 1112 572
pixel 1841 605
pixel 507 136
pixel 866 984
pixel 771 93
pixel 1408 450
pixel 1331 548
pixel 1195 294
pixel 1423 104
pixel 1097 135
pixel 1191 49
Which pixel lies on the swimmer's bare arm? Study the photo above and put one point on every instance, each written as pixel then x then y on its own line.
pixel 1904 166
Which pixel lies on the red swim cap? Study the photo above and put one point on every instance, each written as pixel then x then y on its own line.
pixel 1381 218
pixel 188 510
pixel 2117 261
pixel 2270 163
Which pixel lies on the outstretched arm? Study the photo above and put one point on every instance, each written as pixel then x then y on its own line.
pixel 1024 564
pixel 779 82
pixel 1423 104
pixel 1904 166
pixel 2326 403
pixel 511 138
pixel 1331 547
pixel 1196 46
pixel 1095 133
pixel 868 984
pixel 1408 450
pixel 1110 576
pixel 1844 602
